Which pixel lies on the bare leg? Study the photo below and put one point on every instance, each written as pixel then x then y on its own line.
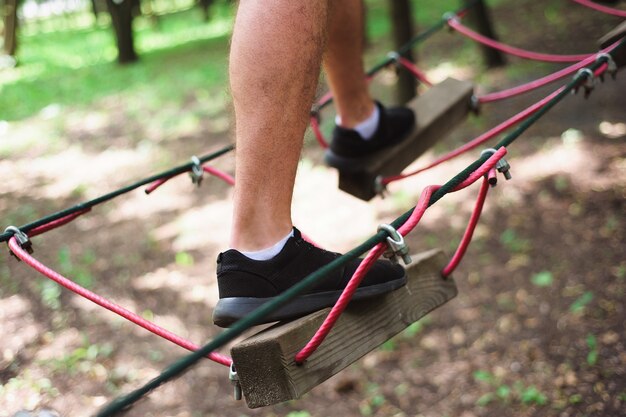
pixel 274 66
pixel 343 62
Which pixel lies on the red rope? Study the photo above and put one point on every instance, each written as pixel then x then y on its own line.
pixel 150 188
pixel 464 30
pixel 524 88
pixel 378 250
pixel 471 226
pixel 478 140
pixel 103 302
pixel 315 126
pixel 326 98
pixel 487 135
pixel 601 8
pixel 228 179
pixel 206 168
pixel 56 223
pixel 413 69
pixel 353 284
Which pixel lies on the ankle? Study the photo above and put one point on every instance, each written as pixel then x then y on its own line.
pixel 258 236
pixel 350 116
pixel 366 128
pixel 269 252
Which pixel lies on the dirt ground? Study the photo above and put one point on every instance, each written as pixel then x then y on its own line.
pixel 536 330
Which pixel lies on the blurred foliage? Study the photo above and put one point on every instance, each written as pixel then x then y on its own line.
pixel 76 66
pixel 70 60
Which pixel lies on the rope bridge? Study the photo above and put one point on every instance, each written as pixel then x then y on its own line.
pixel 587 67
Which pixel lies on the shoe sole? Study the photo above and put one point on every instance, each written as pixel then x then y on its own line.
pixel 229 310
pixel 352 164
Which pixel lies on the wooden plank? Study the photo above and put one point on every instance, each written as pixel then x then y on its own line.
pixel 438 110
pixel 610 38
pixel 265 362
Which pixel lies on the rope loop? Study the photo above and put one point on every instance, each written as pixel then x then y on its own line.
pixel 22 240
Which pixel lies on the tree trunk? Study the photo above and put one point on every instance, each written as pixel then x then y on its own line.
pixel 479 15
pixel 122 12
pixel 205 5
pixel 402 23
pixel 10 27
pixel 94 9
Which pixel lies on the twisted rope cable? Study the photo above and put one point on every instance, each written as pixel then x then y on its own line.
pixel 405 229
pixel 103 302
pixel 4 237
pixel 533 85
pixel 455 24
pixel 181 365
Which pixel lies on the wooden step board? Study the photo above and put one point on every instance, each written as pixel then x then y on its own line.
pixel 438 111
pixel 610 38
pixel 265 362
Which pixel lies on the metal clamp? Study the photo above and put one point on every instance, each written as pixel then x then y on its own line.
pixel 612 66
pixel 234 379
pixel 397 246
pixel 196 172
pixel 21 238
pixel 588 82
pixel 380 187
pixel 502 165
pixel 450 16
pixel 394 56
pixel 475 104
pixel 315 113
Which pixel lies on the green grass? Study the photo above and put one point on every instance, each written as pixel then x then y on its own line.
pixel 76 67
pixel 71 61
pixel 505 394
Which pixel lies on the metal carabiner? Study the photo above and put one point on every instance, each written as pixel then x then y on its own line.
pixel 196 172
pixel 502 165
pixel 612 66
pixel 234 379
pixel 22 240
pixel 397 245
pixel 380 187
pixel 588 83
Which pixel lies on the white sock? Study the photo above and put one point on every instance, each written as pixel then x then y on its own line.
pixel 269 253
pixel 367 127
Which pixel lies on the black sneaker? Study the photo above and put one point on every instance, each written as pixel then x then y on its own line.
pixel 245 284
pixel 348 151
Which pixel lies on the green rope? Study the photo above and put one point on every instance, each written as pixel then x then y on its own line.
pixel 88 204
pixel 180 366
pixel 422 36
